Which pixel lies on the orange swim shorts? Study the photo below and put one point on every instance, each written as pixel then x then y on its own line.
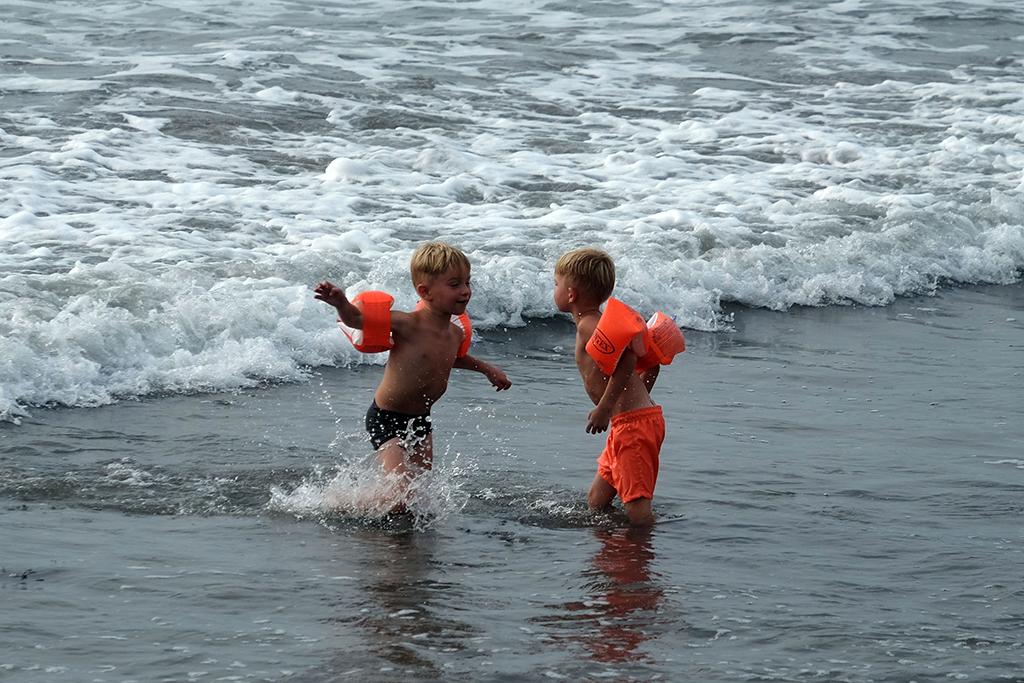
pixel 630 459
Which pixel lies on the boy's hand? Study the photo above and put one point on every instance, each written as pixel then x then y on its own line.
pixel 598 420
pixel 328 293
pixel 497 378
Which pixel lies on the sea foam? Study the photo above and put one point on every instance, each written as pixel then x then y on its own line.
pixel 163 222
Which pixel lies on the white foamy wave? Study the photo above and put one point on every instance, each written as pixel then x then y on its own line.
pixel 162 222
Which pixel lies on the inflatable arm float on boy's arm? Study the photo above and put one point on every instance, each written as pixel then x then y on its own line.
pixel 375 336
pixel 655 342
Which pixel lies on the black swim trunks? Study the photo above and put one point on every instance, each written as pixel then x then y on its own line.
pixel 384 425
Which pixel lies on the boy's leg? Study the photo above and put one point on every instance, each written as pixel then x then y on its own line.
pixel 396 458
pixel 405 463
pixel 639 512
pixel 601 494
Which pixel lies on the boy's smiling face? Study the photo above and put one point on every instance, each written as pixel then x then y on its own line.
pixel 449 292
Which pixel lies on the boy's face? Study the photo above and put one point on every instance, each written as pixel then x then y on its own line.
pixel 449 292
pixel 563 297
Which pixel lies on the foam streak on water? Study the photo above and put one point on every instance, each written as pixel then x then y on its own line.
pixel 174 177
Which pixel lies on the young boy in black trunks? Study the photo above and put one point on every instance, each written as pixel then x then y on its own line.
pixel 426 348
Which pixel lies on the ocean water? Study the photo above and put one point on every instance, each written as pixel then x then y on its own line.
pixel 176 176
pixel 826 196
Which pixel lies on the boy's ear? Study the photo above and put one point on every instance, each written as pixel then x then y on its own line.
pixel 574 294
pixel 422 289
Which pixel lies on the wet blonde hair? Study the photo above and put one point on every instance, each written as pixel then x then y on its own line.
pixel 589 270
pixel 434 259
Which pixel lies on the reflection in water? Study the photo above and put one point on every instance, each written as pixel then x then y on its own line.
pixel 628 598
pixel 400 618
pixel 621 613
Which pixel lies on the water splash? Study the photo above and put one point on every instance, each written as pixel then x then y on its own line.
pixel 359 491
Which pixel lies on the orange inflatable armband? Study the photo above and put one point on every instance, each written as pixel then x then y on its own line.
pixel 619 327
pixel 655 342
pixel 376 333
pixel 467 330
pixel 666 340
pixel 467 333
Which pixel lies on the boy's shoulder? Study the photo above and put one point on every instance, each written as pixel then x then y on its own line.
pixel 585 328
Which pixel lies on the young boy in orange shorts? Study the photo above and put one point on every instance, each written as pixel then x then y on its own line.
pixel 628 467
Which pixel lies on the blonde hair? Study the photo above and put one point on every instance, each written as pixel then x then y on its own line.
pixel 589 270
pixel 434 259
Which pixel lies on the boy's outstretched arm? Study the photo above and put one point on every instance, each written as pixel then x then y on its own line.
pixel 601 415
pixel 493 374
pixel 348 313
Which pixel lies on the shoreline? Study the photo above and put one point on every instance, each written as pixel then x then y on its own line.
pixel 801 327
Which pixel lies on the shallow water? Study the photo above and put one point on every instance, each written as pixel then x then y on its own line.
pixel 840 500
pixel 840 489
